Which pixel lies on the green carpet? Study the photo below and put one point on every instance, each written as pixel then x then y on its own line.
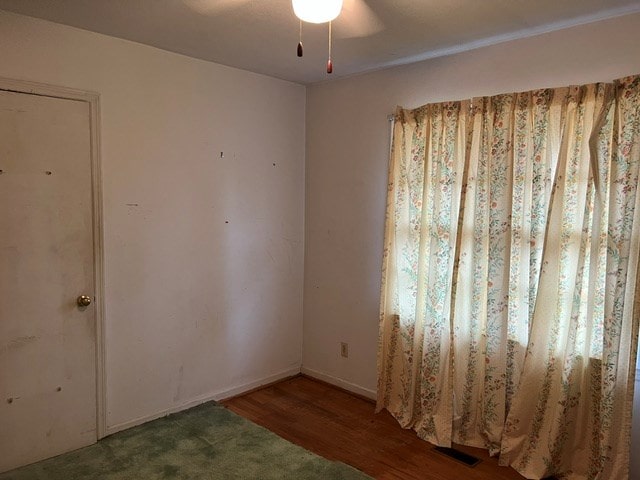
pixel 205 442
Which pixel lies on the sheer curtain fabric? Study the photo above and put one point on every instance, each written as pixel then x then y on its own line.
pixel 509 276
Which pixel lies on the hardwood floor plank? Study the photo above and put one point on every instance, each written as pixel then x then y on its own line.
pixel 339 426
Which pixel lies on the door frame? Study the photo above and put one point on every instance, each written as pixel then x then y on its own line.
pixel 93 100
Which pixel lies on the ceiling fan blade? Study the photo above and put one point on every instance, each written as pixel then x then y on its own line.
pixel 357 20
pixel 211 7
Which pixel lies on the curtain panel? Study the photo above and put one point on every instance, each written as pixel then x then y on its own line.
pixel 509 276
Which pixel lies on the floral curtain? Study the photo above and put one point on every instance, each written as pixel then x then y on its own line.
pixel 509 276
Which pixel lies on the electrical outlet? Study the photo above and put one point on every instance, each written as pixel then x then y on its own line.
pixel 344 349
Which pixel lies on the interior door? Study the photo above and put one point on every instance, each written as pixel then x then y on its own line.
pixel 47 340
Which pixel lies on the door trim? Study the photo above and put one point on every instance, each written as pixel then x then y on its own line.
pixel 93 99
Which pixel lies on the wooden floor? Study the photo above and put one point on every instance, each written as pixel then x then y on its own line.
pixel 339 426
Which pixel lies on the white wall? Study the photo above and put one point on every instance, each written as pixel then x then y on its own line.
pixel 195 306
pixel 346 164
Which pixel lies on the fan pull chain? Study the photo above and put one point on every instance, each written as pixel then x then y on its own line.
pixel 329 62
pixel 300 52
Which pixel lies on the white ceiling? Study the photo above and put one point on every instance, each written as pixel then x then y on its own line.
pixel 261 35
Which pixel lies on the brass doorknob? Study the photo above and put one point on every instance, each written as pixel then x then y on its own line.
pixel 84 301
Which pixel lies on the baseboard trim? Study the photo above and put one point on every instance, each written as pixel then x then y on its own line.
pixel 339 382
pixel 207 397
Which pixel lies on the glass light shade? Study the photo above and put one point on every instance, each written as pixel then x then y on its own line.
pixel 317 11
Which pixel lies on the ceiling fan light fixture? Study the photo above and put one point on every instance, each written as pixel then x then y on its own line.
pixel 317 11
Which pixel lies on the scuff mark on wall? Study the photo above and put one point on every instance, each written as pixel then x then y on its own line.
pixel 178 394
pixel 18 342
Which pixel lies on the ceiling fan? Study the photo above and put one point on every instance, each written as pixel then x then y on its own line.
pixel 355 18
